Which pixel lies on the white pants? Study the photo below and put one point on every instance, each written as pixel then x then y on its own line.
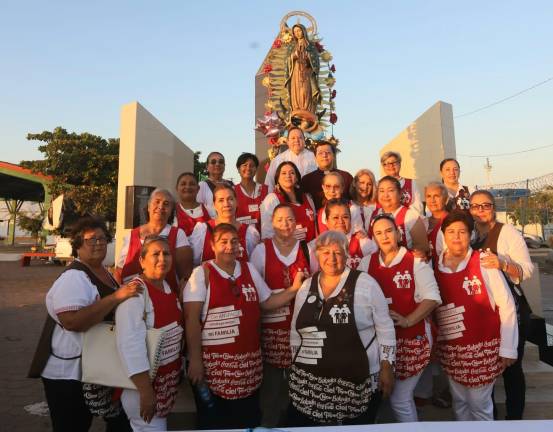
pixel 130 399
pixel 471 403
pixel 402 401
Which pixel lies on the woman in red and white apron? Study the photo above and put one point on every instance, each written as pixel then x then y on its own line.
pixel 158 307
pixel 223 301
pixel 160 211
pixel 288 190
pixel 458 195
pixel 188 211
pixel 477 323
pixel 410 195
pixel 278 260
pixel 410 288
pixel 343 343
pixel 249 193
pixel 338 218
pixel 363 195
pixel 333 188
pixel 410 225
pixel 436 199
pixel 225 207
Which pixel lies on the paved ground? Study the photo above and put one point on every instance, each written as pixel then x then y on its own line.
pixel 22 312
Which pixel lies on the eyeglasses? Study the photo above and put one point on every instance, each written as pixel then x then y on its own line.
pixel 332 187
pixel 217 162
pixel 92 241
pixel 390 164
pixel 323 153
pixel 484 206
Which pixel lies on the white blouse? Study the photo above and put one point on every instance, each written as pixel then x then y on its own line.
pixel 371 317
pixel 72 291
pixel 197 240
pixel 512 248
pixel 500 296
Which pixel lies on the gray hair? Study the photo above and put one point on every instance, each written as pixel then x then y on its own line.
pixel 390 154
pixel 334 174
pixel 438 185
pixel 332 238
pixel 169 195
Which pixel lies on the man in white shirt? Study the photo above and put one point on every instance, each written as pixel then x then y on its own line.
pixel 296 153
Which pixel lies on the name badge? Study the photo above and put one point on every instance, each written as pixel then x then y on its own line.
pixel 253 208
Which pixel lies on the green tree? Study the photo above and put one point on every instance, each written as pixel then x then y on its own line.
pixel 84 168
pixel 32 224
pixel 200 168
pixel 536 209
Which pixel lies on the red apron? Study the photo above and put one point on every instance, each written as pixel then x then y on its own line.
pixel 400 223
pixel 230 336
pixel 275 325
pixel 321 226
pixel 208 253
pixel 407 192
pixel 167 316
pixel 247 208
pixel 398 285
pixel 432 236
pixel 355 253
pixel 305 217
pixel 469 329
pixel 132 264
pixel 187 222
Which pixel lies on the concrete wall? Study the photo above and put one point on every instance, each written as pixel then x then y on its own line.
pixel 149 155
pixel 425 143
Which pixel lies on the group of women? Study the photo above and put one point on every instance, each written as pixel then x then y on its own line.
pixel 281 313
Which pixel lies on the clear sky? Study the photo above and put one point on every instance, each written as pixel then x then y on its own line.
pixel 192 65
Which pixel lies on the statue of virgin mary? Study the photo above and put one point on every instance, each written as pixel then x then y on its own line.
pixel 302 72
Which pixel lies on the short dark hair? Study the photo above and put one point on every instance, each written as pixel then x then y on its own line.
pixel 186 174
pixel 484 192
pixel 83 225
pixel 336 202
pixel 458 216
pixel 221 229
pixel 283 206
pixel 381 216
pixel 446 160
pixel 390 179
pixel 324 143
pixel 214 153
pixel 296 128
pixel 244 157
pixel 223 186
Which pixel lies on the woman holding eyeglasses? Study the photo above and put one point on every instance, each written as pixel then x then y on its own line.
pixel 159 307
pixel 412 294
pixel 225 208
pixel 82 296
pixel 458 195
pixel 288 190
pixel 333 188
pixel 278 260
pixel 249 193
pixel 343 343
pixel 409 193
pixel 215 166
pixel 160 212
pixel 505 250
pixel 363 195
pixel 411 227
pixel 477 323
pixel 223 301
pixel 189 212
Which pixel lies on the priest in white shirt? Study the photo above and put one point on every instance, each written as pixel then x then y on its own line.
pixel 296 153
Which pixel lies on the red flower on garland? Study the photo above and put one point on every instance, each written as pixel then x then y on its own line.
pixel 273 140
pixel 277 43
pixel 319 47
pixel 267 68
pixel 333 68
pixel 268 113
pixel 333 94
pixel 333 118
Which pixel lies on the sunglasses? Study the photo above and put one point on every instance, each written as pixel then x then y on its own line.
pixel 217 162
